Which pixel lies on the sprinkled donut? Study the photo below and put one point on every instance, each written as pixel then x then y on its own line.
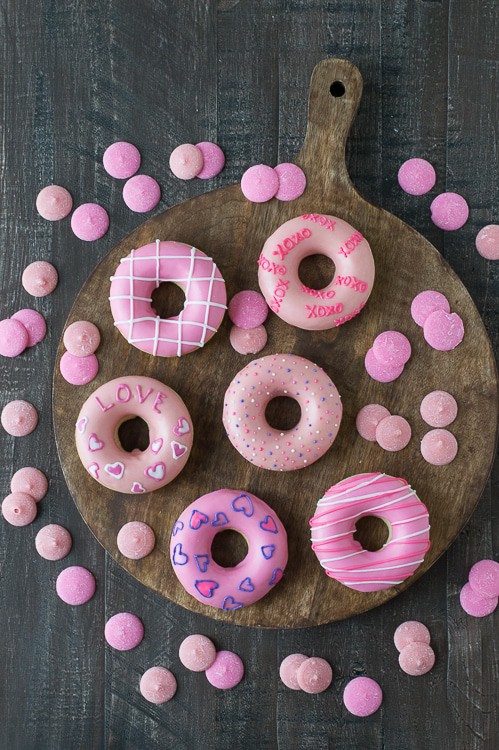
pixel 333 527
pixel 282 375
pixel 256 575
pixel 170 433
pixel 141 272
pixel 293 301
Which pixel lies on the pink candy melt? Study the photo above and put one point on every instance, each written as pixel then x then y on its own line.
pixel 136 540
pixel 78 370
pixel 13 337
pixel 438 409
pixel 40 278
pixel 54 203
pixel 487 242
pixel 411 631
pixel 260 183
pixel 443 331
pixel 226 672
pixel 362 696
pixel 314 675
pixel 124 631
pixel 19 509
pixel 186 161
pixel 439 447
pixel 288 671
pixel 197 653
pixel 416 659
pixel 158 685
pixel 81 338
pixel 392 349
pixel 121 160
pixel 31 481
pixel 368 419
pixel 379 372
pixel 292 181
pixel 476 605
pixel 19 418
pixel 248 309
pixel 213 160
pixel 248 341
pixel 90 222
pixel 141 193
pixel 393 433
pixel 53 542
pixel 416 176
pixel 34 323
pixel 449 211
pixel 426 303
pixel 484 578
pixel 75 585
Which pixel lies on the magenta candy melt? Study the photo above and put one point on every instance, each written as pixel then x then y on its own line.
pixel 379 372
pixel 226 672
pixel 259 183
pixel 476 605
pixel 90 222
pixel 362 696
pixel 75 585
pixel 292 181
pixel 141 193
pixel 248 309
pixel 121 160
pixel 34 323
pixel 426 303
pixel 124 631
pixel 78 370
pixel 416 176
pixel 443 331
pixel 213 160
pixel 392 349
pixel 487 242
pixel 484 578
pixel 13 337
pixel 449 211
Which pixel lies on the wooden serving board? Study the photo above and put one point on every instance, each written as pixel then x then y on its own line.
pixel 232 231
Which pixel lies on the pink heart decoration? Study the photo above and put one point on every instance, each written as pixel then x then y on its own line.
pixel 206 588
pixel 276 576
pixel 183 427
pixel 178 449
pixel 157 471
pixel 94 444
pixel 156 445
pixel 93 469
pixel 81 425
pixel 137 487
pixel 268 524
pixel 115 470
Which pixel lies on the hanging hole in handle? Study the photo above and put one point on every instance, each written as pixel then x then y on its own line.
pixel 337 88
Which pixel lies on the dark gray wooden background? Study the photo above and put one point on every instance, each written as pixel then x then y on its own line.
pixel 80 74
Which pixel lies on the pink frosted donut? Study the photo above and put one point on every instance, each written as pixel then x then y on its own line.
pixel 258 383
pixel 253 577
pixel 170 434
pixel 333 527
pixel 141 272
pixel 289 298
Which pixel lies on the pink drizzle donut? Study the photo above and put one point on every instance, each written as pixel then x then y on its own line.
pixel 141 272
pixel 282 375
pixel 256 575
pixel 293 301
pixel 170 433
pixel 333 527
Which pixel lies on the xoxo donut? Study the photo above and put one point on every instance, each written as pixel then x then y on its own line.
pixel 247 398
pixel 333 527
pixel 141 272
pixel 170 433
pixel 252 578
pixel 293 301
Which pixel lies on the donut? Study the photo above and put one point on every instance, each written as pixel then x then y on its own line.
pixel 141 272
pixel 293 301
pixel 333 527
pixel 170 434
pixel 282 375
pixel 256 575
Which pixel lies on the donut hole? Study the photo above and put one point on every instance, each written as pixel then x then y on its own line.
pixel 337 89
pixel 168 300
pixel 229 548
pixel 283 413
pixel 316 271
pixel 372 533
pixel 133 434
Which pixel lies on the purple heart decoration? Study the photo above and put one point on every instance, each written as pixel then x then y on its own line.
pixel 268 524
pixel 243 504
pixel 268 550
pixel 220 519
pixel 276 576
pixel 206 588
pixel 179 525
pixel 179 557
pixel 246 585
pixel 197 519
pixel 202 561
pixel 230 603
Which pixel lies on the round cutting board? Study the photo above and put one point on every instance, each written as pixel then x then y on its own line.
pixel 232 231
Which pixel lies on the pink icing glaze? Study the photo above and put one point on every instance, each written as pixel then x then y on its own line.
pixel 141 193
pixel 484 578
pixel 256 575
pixel 426 303
pixel 90 222
pixel 292 181
pixel 487 242
pixel 31 481
pixel 416 176
pixel 333 527
pixel 54 203
pixel 282 375
pixel 121 159
pixel 362 696
pixel 393 433
pixel 78 370
pixel 416 659
pixel 379 372
pixel 392 348
pixel 141 272
pixel 19 418
pixel 75 585
pixel 260 183
pixel 81 338
pixel 226 672
pixel 170 432
pixel 53 542
pixel 186 161
pixel 136 540
pixel 248 309
pixel 19 509
pixel 368 419
pixel 14 337
pixel 124 631
pixel 197 653
pixel 410 632
pixel 213 160
pixel 289 669
pixel 40 278
pixel 34 323
pixel 438 409
pixel 439 447
pixel 314 675
pixel 449 211
pixel 158 685
pixel 443 331
pixel 474 604
pixel 289 298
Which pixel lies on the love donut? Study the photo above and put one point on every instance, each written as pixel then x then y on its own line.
pixel 170 432
pixel 293 301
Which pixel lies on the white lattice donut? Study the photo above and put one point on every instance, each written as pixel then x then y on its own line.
pixel 141 272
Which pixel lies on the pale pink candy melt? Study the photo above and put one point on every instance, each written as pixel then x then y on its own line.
pixel 78 370
pixel 90 222
pixel 158 685
pixel 186 161
pixel 484 578
pixel 19 418
pixel 213 160
pixel 474 604
pixel 53 542
pixel 411 631
pixel 392 348
pixel 369 418
pixel 34 323
pixel 124 631
pixel 248 309
pixel 393 433
pixel 443 331
pixel 438 408
pixel 314 675
pixel 288 671
pixel 416 659
pixel 75 585
pixel 362 696
pixel 260 183
pixel 81 338
pixel 40 278
pixel 487 242
pixel 136 540
pixel 197 653
pixel 439 447
pixel 54 203
pixel 13 337
pixel 31 481
pixel 426 303
pixel 292 181
pixel 379 372
pixel 121 160
pixel 19 509
pixel 141 193
pixel 249 340
pixel 416 176
pixel 449 211
pixel 226 672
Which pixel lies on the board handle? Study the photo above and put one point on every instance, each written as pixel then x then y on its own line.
pixel 334 97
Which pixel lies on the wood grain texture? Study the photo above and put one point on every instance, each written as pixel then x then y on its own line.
pixel 80 75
